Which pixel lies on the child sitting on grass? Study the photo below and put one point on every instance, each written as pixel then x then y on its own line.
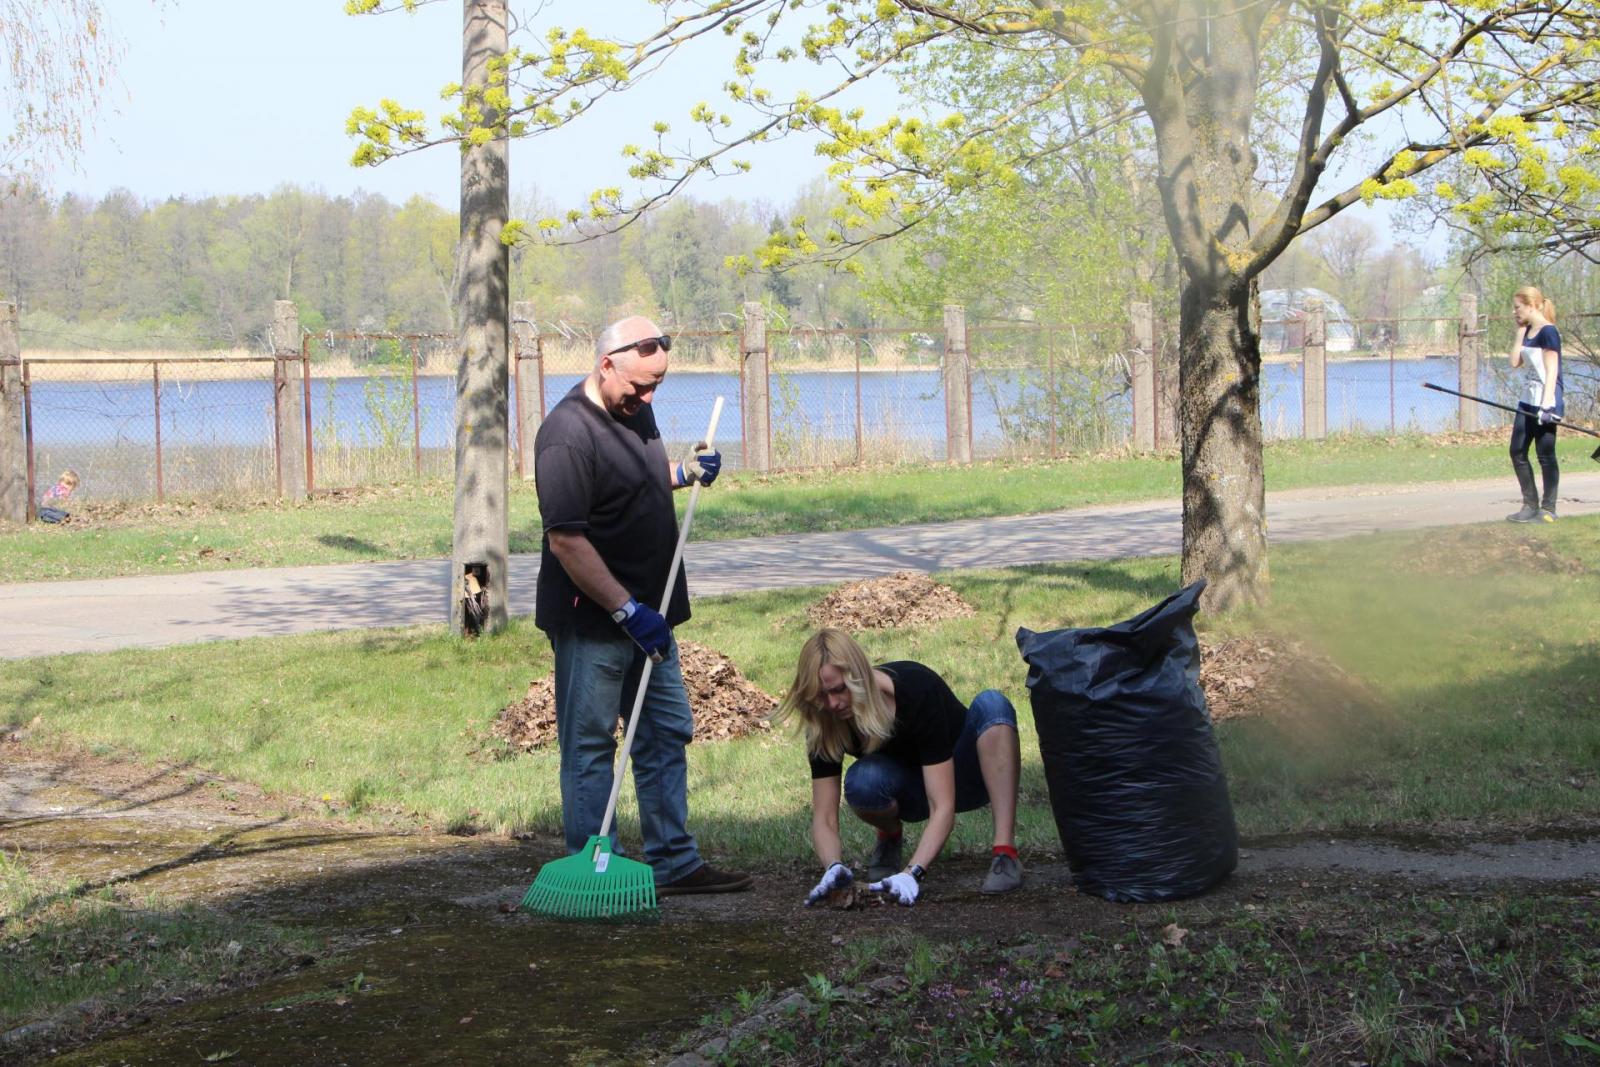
pixel 52 507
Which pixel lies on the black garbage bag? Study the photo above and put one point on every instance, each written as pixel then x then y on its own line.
pixel 1135 778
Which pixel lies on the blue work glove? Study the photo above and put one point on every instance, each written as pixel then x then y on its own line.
pixel 646 626
pixel 1548 415
pixel 837 876
pixel 903 887
pixel 702 466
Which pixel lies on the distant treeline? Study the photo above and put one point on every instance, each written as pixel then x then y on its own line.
pixel 123 272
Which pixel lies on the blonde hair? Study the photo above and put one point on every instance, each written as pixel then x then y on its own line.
pixel 1531 296
pixel 69 476
pixel 826 735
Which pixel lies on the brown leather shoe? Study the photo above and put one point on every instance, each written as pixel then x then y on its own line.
pixel 706 879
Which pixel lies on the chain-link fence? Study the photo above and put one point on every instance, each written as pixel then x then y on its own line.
pixel 1050 389
pixel 139 429
pixel 379 407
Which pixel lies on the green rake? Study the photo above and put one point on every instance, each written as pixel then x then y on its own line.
pixel 595 883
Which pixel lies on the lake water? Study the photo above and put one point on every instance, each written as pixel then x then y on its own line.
pixel 1363 395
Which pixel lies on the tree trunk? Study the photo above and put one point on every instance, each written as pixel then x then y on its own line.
pixel 481 544
pixel 1224 491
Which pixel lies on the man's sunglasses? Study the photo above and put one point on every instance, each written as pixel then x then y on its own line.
pixel 646 347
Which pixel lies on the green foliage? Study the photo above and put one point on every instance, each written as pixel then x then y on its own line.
pixel 125 274
pixel 1039 126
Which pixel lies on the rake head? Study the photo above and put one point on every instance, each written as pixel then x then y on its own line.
pixel 594 884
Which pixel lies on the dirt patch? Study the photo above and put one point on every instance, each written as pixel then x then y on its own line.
pixel 906 598
pixel 433 920
pixel 726 704
pixel 1479 550
pixel 1265 674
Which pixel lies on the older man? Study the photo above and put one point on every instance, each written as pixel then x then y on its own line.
pixel 605 497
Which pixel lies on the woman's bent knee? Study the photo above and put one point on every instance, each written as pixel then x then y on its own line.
pixel 991 708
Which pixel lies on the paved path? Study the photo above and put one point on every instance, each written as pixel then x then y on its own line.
pixel 94 616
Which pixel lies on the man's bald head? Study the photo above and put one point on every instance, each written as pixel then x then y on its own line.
pixel 626 380
pixel 621 333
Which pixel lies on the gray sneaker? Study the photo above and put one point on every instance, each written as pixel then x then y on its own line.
pixel 1529 513
pixel 884 861
pixel 1547 514
pixel 1005 874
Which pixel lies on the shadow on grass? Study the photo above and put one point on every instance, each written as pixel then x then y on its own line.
pixel 356 546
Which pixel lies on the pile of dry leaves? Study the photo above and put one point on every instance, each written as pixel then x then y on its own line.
pixel 1264 674
pixel 906 598
pixel 725 703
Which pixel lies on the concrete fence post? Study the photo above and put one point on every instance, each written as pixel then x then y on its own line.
pixel 288 384
pixel 1142 324
pixel 756 411
pixel 1467 348
pixel 1314 374
pixel 528 373
pixel 13 431
pixel 957 386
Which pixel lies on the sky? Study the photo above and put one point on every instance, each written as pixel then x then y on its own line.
pixel 239 96
pixel 219 97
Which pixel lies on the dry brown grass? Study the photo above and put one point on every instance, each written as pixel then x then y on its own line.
pixel 136 365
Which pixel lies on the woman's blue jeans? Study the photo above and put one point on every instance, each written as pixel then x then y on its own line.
pixel 596 679
pixel 875 782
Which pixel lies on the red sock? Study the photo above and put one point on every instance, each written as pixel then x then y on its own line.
pixel 1007 850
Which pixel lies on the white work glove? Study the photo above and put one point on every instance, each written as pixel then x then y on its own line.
pixel 837 876
pixel 903 887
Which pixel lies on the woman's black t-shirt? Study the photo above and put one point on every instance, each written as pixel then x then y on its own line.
pixel 605 477
pixel 928 720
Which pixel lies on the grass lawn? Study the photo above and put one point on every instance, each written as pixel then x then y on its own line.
pixel 413 521
pixel 1481 658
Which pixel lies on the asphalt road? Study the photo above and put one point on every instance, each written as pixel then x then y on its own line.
pixel 44 618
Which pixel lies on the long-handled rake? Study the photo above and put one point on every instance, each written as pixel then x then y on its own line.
pixel 593 883
pixel 1595 455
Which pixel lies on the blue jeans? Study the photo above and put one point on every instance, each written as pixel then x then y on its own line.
pixel 875 782
pixel 596 680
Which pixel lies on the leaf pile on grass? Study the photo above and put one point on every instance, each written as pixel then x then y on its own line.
pixel 1476 550
pixel 1265 674
pixel 905 598
pixel 726 704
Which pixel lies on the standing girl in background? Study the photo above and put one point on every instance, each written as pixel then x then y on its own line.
pixel 1543 403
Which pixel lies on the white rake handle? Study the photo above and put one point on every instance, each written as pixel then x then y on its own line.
pixel 666 603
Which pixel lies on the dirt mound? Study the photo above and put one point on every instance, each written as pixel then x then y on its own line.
pixel 725 703
pixel 1264 674
pixel 1477 550
pixel 906 598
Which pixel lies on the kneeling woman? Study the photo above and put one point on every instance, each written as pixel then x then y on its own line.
pixel 919 755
